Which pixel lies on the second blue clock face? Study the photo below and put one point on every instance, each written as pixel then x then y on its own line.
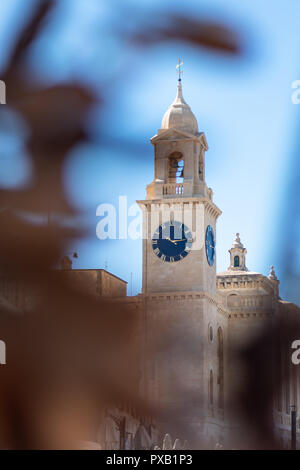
pixel 210 245
pixel 172 241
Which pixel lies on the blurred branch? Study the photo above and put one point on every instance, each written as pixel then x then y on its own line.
pixel 201 33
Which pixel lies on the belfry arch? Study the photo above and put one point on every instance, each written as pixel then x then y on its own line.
pixel 175 167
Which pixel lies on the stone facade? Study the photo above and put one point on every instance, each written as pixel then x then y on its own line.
pixel 96 282
pixel 213 314
pixel 180 297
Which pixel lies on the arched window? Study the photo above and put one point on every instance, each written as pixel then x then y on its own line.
pixel 210 333
pixel 220 369
pixel 211 388
pixel 176 168
pixel 236 261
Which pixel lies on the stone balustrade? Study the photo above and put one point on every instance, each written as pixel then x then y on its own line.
pixel 173 188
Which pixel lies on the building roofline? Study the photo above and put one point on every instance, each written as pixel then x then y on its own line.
pixel 92 269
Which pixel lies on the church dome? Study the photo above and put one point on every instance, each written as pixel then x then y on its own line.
pixel 179 115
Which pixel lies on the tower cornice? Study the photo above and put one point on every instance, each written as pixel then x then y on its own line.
pixel 209 205
pixel 163 134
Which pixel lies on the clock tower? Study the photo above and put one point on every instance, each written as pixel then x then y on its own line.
pixel 179 273
pixel 179 195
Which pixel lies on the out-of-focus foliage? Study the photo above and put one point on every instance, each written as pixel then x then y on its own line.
pixel 199 33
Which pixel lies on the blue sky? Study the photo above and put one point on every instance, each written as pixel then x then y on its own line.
pixel 243 106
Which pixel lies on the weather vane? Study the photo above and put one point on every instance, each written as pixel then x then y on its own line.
pixel 179 68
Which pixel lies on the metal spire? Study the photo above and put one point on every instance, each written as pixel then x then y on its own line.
pixel 179 68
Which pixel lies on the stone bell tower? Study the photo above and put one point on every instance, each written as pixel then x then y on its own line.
pixel 179 153
pixel 178 193
pixel 179 273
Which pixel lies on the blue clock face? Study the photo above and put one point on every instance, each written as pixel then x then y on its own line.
pixel 210 245
pixel 172 241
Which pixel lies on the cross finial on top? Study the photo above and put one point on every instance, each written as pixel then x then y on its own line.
pixel 179 68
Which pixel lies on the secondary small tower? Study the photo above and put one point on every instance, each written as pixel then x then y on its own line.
pixel 238 255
